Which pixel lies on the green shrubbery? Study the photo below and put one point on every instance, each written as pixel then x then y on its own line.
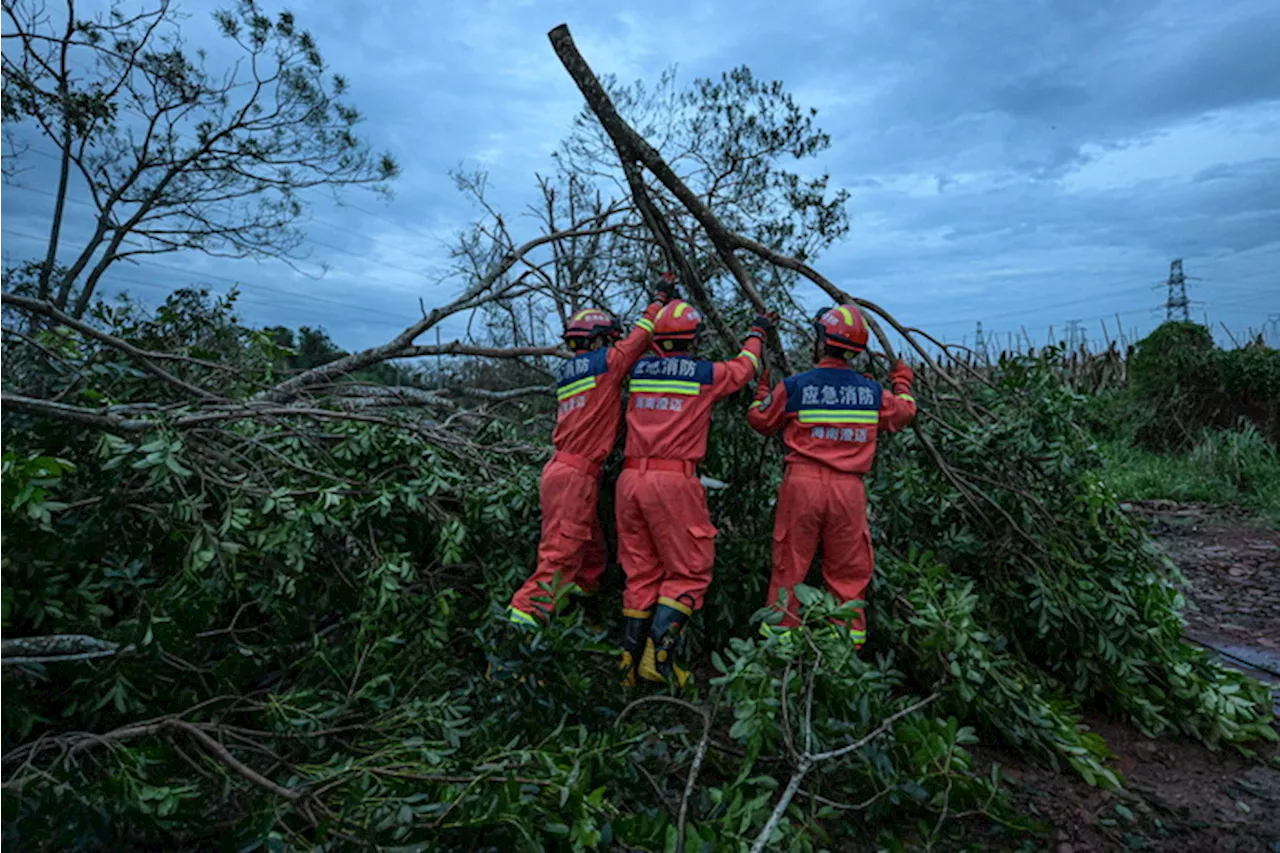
pixel 1181 383
pixel 1230 467
pixel 304 611
pixel 1196 423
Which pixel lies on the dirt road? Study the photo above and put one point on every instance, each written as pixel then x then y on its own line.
pixel 1181 797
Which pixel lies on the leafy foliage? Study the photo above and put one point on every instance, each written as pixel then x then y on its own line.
pixel 305 610
pixel 276 604
pixel 1182 383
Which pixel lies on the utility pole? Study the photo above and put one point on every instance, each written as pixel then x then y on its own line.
pixel 1176 307
pixel 981 344
pixel 1273 320
pixel 1074 331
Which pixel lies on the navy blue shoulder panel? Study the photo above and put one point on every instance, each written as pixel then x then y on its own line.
pixel 705 371
pixel 582 365
pixel 674 367
pixel 792 386
pixel 832 388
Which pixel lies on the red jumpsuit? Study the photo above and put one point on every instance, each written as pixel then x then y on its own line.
pixel 589 388
pixel 666 542
pixel 829 417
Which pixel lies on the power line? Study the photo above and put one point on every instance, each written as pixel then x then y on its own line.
pixel 1111 290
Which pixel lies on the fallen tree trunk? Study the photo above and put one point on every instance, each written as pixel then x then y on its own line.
pixel 633 146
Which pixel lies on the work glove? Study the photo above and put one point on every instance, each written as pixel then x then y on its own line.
pixel 763 323
pixel 901 377
pixel 667 289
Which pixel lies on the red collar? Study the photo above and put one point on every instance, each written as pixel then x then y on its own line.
pixel 832 361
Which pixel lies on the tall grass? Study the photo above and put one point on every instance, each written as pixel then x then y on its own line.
pixel 1237 467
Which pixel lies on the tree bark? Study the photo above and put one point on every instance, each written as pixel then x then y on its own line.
pixel 676 258
pixel 633 146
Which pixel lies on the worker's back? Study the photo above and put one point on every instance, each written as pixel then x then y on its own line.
pixel 831 415
pixel 669 413
pixel 589 394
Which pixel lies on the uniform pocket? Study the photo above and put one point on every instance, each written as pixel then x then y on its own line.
pixel 703 531
pixel 576 529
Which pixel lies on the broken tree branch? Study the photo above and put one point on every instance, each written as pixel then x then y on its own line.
pixel 57 647
pixel 676 259
pixel 472 296
pixel 143 357
pixel 808 760
pixel 634 146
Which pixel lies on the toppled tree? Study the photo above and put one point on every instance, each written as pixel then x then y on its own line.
pixel 283 589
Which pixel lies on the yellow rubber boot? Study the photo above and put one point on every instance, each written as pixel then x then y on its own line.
pixel 635 631
pixel 658 663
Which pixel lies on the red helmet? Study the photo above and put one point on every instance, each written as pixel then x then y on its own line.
pixel 677 321
pixel 842 327
pixel 589 322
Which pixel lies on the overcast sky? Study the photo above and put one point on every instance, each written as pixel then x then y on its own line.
pixel 1020 163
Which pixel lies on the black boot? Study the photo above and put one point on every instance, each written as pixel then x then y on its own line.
pixel 658 663
pixel 635 631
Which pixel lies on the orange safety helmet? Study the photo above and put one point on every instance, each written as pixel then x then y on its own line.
pixel 842 327
pixel 588 323
pixel 677 321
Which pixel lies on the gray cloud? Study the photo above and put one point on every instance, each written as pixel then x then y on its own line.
pixel 1027 162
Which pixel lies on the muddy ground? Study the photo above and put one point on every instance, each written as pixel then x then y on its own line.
pixel 1180 795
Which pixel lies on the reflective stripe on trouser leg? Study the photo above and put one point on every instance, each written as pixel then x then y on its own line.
pixel 784 635
pixel 520 617
pixel 857 636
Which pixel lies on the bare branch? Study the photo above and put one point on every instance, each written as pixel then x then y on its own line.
pixel 55 648
pixel 402 345
pixel 145 358
pixel 637 148
pixel 807 761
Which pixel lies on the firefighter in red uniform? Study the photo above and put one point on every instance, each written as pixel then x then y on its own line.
pixel 666 542
pixel 829 417
pixel 589 390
